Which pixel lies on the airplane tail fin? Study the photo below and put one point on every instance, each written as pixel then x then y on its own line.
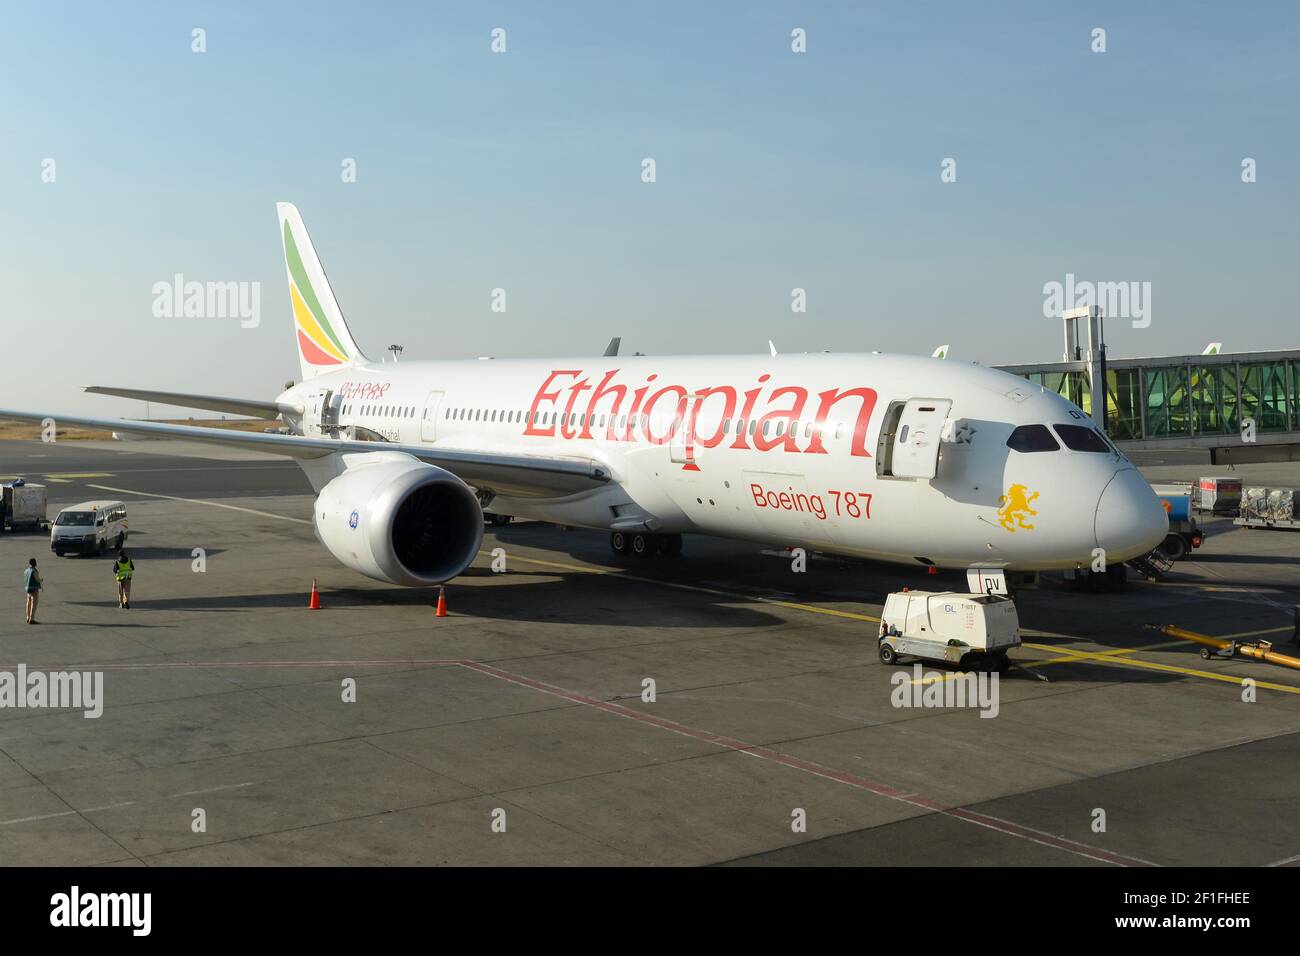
pixel 324 342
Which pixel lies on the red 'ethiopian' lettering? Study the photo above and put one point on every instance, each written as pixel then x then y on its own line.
pixel 771 428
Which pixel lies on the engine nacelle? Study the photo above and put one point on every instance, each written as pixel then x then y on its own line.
pixel 396 519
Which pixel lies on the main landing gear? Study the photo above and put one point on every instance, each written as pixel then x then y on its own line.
pixel 646 545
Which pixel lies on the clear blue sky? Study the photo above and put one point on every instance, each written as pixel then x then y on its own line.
pixel 522 171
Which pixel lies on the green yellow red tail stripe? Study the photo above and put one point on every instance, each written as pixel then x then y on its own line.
pixel 317 341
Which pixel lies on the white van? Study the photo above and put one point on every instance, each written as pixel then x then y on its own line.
pixel 969 630
pixel 91 527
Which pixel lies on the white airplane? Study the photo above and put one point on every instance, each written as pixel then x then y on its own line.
pixel 892 457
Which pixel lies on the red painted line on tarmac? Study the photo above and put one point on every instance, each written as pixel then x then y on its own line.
pixel 730 743
pixel 807 766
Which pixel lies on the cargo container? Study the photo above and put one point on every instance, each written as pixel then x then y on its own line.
pixel 24 506
pixel 1220 496
pixel 1263 507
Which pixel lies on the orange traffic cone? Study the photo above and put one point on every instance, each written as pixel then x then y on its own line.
pixel 932 570
pixel 442 603
pixel 314 603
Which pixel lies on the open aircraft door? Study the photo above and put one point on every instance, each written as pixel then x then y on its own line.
pixel 323 413
pixel 917 438
pixel 429 420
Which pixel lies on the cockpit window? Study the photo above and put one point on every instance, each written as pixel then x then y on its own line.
pixel 1032 438
pixel 1081 438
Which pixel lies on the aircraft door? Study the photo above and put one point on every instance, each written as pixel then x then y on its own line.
pixel 429 420
pixel 318 413
pixel 329 412
pixel 916 442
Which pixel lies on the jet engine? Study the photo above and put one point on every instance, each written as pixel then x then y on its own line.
pixel 397 519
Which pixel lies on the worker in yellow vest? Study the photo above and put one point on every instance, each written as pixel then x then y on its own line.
pixel 123 568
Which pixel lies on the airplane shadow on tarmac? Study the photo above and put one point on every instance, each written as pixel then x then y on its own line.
pixel 562 598
pixel 151 554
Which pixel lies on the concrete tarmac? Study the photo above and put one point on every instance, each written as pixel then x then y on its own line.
pixel 772 736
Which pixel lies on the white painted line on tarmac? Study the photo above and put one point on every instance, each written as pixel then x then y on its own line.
pixel 43 816
pixel 229 786
pixel 200 501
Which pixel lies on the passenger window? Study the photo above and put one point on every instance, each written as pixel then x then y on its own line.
pixel 1080 438
pixel 767 426
pixel 1031 438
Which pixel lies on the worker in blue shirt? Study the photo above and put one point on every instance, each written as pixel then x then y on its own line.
pixel 32 587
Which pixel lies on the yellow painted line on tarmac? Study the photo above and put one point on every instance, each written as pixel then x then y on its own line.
pixel 1112 657
pixel 701 589
pixel 70 475
pixel 1216 588
pixel 1070 657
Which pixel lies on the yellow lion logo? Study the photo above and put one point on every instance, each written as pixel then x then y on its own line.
pixel 1015 508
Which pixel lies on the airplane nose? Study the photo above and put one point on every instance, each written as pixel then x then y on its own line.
pixel 1130 519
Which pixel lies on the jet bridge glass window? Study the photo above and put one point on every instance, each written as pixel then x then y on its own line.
pixel 1028 438
pixel 1082 438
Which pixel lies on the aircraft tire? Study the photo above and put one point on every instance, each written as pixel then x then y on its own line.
pixel 620 543
pixel 645 545
pixel 670 545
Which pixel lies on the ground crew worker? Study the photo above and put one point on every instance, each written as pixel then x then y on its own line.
pixel 123 568
pixel 32 586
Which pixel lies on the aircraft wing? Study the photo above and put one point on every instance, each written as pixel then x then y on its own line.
pixel 524 476
pixel 212 403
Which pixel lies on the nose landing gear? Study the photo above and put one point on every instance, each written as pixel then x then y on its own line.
pixel 645 545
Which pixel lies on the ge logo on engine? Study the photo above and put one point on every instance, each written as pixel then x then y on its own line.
pixel 353 519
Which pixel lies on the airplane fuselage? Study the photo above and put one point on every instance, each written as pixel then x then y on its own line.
pixel 892 457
